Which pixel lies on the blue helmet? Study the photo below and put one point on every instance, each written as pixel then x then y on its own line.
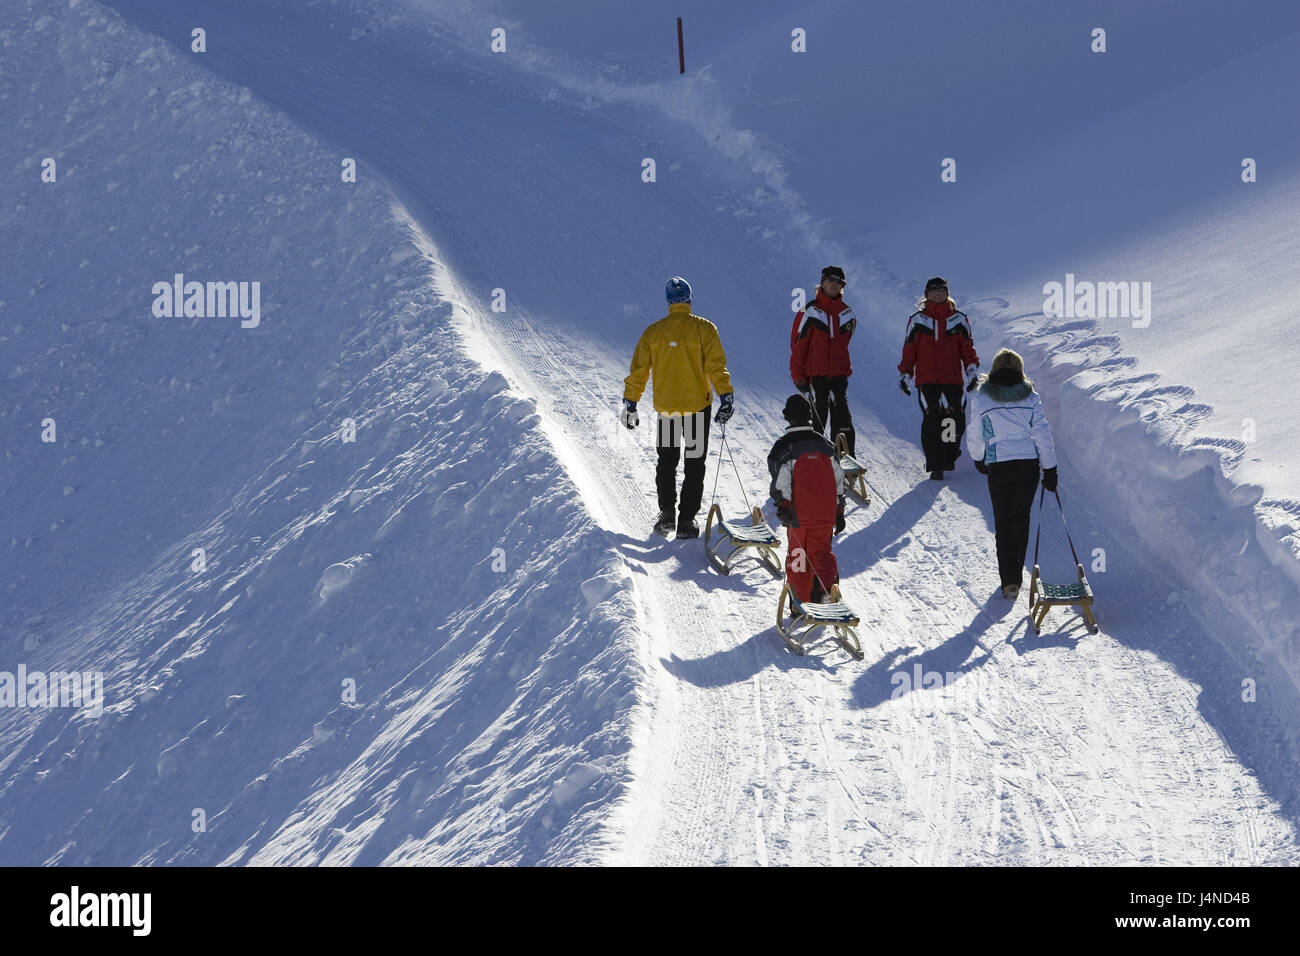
pixel 677 290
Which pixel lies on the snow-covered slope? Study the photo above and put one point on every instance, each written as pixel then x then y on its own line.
pixel 376 660
pixel 689 736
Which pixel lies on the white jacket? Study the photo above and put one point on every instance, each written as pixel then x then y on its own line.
pixel 1005 422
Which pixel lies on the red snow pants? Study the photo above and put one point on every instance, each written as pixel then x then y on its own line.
pixel 808 552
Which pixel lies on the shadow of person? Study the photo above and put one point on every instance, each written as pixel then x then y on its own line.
pixel 651 549
pixel 901 673
pixel 888 534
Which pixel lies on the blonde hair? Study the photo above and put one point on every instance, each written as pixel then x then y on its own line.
pixel 1009 358
pixel 922 302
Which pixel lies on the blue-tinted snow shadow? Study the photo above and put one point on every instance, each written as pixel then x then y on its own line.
pixel 1068 631
pixel 1133 606
pixel 893 675
pixel 766 649
pixel 688 561
pixel 887 534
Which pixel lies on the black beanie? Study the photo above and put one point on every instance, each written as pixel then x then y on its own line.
pixel 835 272
pixel 936 282
pixel 797 411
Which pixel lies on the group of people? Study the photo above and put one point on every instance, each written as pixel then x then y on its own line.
pixel 1000 415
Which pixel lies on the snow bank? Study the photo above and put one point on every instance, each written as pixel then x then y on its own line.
pixel 1133 440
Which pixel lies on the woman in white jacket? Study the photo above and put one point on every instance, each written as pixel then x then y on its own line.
pixel 1008 438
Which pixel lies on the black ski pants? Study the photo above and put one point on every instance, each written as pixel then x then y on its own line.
pixel 829 399
pixel 678 434
pixel 1012 486
pixel 941 455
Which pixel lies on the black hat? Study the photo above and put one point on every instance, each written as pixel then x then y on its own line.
pixel 936 282
pixel 797 411
pixel 835 272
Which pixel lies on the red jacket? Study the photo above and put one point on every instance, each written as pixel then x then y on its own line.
pixel 806 472
pixel 938 348
pixel 819 339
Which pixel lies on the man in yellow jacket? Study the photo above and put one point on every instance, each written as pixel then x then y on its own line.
pixel 685 354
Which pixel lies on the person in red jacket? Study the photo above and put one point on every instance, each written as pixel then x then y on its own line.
pixel 939 358
pixel 808 488
pixel 819 354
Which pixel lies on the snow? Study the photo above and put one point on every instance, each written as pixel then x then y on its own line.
pixel 429 624
pixel 350 680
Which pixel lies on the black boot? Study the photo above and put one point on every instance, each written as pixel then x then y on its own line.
pixel 665 524
pixel 687 528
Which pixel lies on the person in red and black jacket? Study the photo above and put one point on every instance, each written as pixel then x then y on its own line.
pixel 819 354
pixel 939 358
pixel 808 488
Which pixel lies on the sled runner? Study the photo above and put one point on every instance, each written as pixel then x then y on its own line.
pixel 854 473
pixel 758 536
pixel 807 618
pixel 1043 596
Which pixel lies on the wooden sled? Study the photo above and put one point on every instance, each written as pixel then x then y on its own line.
pixel 854 473
pixel 741 536
pixel 837 615
pixel 1043 597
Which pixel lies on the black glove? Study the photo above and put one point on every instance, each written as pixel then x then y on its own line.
pixel 1049 479
pixel 902 384
pixel 726 405
pixel 982 468
pixel 839 520
pixel 785 513
pixel 628 415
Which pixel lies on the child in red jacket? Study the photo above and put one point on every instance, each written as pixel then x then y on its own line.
pixel 939 358
pixel 808 488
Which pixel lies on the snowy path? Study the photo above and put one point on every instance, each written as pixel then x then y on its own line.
pixel 1052 749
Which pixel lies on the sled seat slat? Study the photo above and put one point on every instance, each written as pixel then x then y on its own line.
pixel 1063 592
pixel 836 613
pixel 748 534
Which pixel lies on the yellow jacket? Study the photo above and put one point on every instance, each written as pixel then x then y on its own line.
pixel 686 355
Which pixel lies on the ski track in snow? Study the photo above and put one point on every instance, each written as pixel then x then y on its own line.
pixel 1060 748
pixel 1055 768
